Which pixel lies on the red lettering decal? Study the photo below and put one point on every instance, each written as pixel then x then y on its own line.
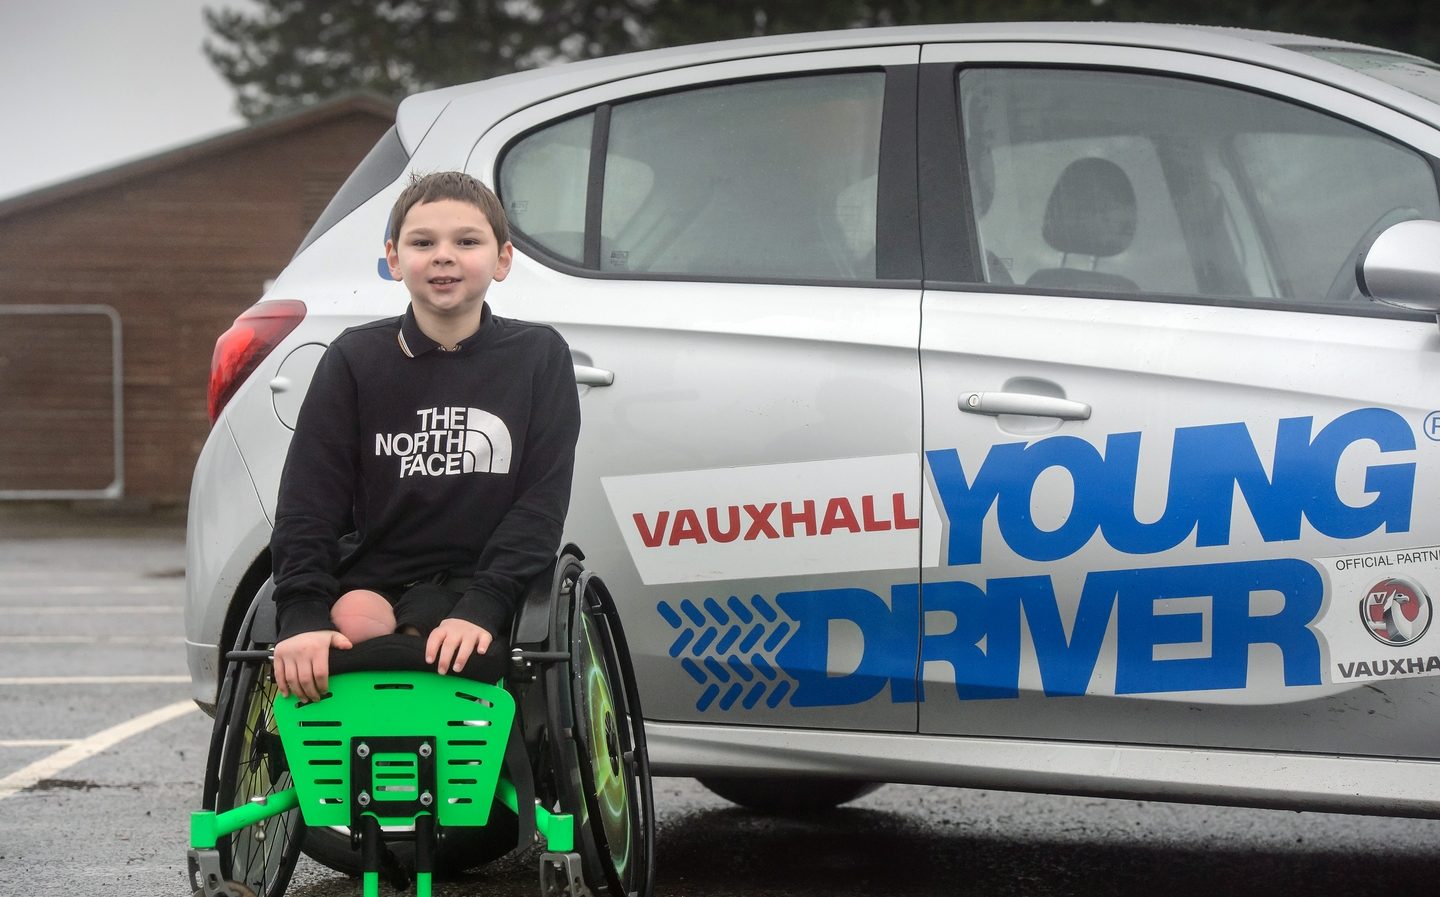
pixel 789 517
pixel 712 520
pixel 650 537
pixel 901 521
pixel 839 515
pixel 761 522
pixel 867 509
pixel 687 526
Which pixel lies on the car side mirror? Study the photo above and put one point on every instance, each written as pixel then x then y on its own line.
pixel 1401 267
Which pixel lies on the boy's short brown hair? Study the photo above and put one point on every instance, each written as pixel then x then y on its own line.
pixel 455 185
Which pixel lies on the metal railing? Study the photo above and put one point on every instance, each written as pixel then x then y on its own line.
pixel 116 488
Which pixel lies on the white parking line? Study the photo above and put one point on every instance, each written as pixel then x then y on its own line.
pixel 91 680
pixel 86 748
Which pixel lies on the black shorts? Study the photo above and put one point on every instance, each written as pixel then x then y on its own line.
pixel 422 605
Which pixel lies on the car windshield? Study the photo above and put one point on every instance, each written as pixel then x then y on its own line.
pixel 1419 76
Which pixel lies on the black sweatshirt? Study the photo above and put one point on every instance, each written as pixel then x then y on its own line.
pixel 432 462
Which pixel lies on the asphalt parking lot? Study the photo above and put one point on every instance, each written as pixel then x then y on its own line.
pixel 99 745
pixel 101 758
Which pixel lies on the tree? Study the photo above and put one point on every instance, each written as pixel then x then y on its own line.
pixel 288 54
pixel 291 53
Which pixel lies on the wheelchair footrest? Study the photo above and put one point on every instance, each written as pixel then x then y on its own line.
pixel 562 875
pixel 206 877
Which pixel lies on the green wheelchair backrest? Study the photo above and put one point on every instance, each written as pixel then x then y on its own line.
pixel 382 737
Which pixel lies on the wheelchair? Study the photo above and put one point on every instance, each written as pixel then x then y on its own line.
pixel 408 758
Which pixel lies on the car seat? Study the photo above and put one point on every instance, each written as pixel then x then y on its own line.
pixel 1092 212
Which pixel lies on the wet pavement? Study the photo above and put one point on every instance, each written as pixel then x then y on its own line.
pixel 101 760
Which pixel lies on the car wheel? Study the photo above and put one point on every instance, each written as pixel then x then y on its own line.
pixel 790 797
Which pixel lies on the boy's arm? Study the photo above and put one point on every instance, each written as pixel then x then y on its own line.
pixel 316 499
pixel 526 539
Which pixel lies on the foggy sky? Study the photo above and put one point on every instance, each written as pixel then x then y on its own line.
pixel 88 84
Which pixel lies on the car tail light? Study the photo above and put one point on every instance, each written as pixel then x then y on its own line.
pixel 239 350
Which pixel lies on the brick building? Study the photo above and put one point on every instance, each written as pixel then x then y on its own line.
pixel 135 271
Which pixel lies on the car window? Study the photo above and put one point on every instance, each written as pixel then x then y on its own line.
pixel 1110 182
pixel 379 169
pixel 753 180
pixel 1320 193
pixel 543 181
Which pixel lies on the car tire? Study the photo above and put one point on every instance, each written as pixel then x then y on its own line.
pixel 792 797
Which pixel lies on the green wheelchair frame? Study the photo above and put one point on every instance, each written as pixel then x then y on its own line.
pixel 558 751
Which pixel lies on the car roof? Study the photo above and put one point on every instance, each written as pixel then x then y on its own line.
pixel 1269 48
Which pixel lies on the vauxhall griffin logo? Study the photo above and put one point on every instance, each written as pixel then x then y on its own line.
pixel 1396 611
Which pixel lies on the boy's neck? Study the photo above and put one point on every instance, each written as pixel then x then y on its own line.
pixel 448 332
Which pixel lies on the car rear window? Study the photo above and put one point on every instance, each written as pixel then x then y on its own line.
pixel 773 179
pixel 544 181
pixel 381 166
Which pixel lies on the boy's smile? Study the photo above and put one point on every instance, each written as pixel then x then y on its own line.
pixel 447 256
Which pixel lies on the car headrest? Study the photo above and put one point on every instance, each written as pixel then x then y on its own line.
pixel 1091 210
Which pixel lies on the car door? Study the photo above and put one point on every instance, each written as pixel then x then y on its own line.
pixel 1182 465
pixel 748 476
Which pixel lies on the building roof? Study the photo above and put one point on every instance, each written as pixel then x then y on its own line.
pixel 268 129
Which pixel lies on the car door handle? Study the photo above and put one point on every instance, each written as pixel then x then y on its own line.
pixel 1023 403
pixel 588 376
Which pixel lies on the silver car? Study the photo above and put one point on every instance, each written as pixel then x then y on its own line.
pixel 988 405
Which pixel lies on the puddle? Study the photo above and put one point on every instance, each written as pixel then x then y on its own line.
pixel 64 785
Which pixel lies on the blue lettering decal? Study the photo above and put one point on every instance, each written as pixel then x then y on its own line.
pixel 991 672
pixel 1067 661
pixel 1208 465
pixel 1118 522
pixel 966 504
pixel 1066 664
pixel 983 648
pixel 1085 466
pixel 887 654
pixel 1393 485
pixel 1230 588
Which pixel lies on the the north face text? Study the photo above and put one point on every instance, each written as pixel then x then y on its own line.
pixel 448 442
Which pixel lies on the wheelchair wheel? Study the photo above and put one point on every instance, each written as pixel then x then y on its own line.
pixel 247 762
pixel 605 777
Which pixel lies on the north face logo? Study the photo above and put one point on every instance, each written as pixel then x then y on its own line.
pixel 449 442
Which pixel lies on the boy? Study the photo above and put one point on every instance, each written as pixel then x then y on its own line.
pixel 442 441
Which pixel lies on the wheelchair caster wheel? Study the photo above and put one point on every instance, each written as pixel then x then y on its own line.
pixel 227 889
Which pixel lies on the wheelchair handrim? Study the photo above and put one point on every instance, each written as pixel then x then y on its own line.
pixel 608 790
pixel 616 796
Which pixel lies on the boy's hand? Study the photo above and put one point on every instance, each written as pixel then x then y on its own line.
pixel 455 639
pixel 302 662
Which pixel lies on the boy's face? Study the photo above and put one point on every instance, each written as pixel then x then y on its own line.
pixel 447 257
